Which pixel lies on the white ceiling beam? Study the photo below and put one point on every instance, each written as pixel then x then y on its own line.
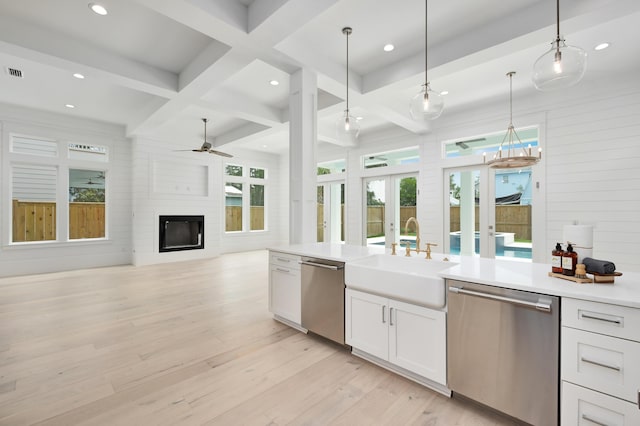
pixel 60 51
pixel 211 54
pixel 238 134
pixel 495 40
pixel 199 85
pixel 241 106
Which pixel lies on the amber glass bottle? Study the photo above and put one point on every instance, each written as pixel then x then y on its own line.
pixel 556 259
pixel 569 261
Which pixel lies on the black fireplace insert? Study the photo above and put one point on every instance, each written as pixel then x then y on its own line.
pixel 181 233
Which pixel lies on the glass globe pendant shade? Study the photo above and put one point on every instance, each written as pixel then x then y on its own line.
pixel 347 129
pixel 560 67
pixel 427 104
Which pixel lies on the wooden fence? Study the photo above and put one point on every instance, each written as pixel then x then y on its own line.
pixel 515 219
pixel 233 218
pixel 376 217
pixel 320 227
pixel 36 220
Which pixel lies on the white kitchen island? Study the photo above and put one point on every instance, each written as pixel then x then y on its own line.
pixel 599 342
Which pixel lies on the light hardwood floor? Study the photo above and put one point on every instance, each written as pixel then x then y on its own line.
pixel 187 343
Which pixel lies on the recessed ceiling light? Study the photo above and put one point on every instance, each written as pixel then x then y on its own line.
pixel 98 9
pixel 601 46
pixel 359 118
pixel 274 82
pixel 264 146
pixel 78 76
pixel 70 105
pixel 444 92
pixel 388 47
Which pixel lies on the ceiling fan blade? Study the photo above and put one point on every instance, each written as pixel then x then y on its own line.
pixel 220 153
pixel 182 150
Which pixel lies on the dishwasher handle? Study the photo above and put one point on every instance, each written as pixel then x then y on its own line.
pixel 539 305
pixel 321 265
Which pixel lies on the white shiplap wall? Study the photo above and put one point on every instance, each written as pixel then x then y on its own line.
pixel 176 183
pixel 593 175
pixel 276 205
pixel 28 258
pixel 589 173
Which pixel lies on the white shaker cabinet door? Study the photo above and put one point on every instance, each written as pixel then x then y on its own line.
pixel 417 340
pixel 366 323
pixel 284 292
pixel 584 407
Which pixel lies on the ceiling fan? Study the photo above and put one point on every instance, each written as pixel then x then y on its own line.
pixel 206 146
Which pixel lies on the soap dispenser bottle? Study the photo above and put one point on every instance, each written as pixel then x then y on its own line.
pixel 556 259
pixel 569 261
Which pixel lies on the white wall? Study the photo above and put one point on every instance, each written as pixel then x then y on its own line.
pixel 187 183
pixel 30 258
pixel 589 172
pixel 276 204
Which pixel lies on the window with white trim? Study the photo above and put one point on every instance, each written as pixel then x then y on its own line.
pixel 245 192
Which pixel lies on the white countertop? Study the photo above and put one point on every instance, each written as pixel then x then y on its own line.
pixel 500 273
pixel 330 251
pixel 534 277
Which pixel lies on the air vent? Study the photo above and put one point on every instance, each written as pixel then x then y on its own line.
pixel 14 72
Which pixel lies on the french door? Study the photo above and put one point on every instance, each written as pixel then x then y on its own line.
pixel 488 213
pixel 330 212
pixel 389 201
pixel 468 218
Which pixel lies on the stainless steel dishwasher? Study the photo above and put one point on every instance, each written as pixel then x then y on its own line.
pixel 503 350
pixel 323 298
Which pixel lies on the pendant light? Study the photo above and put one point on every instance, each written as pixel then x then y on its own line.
pixel 512 160
pixel 562 66
pixel 347 126
pixel 427 104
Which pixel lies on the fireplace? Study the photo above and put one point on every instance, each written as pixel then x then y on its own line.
pixel 181 233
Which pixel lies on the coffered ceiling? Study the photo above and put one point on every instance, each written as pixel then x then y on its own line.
pixel 159 66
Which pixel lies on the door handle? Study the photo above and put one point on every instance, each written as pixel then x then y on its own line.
pixel 594 421
pixel 383 309
pixel 600 364
pixel 390 316
pixel 283 270
pixel 598 318
pixel 539 305
pixel 320 265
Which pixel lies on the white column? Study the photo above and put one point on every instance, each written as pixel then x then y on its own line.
pixel 303 109
pixel 467 214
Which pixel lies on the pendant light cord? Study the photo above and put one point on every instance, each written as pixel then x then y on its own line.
pixel 426 43
pixel 348 32
pixel 558 21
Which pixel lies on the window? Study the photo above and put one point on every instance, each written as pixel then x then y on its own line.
pixel 38 212
pixel 488 145
pixel 86 204
pixel 34 208
pixel 245 198
pixel 391 158
pixel 332 167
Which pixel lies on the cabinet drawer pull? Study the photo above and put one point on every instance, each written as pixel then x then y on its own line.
pixel 282 259
pixel 383 309
pixel 600 364
pixel 592 420
pixel 283 270
pixel 390 316
pixel 613 321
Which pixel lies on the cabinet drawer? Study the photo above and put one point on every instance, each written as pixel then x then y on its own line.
pixel 582 406
pixel 602 363
pixel 613 320
pixel 287 261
